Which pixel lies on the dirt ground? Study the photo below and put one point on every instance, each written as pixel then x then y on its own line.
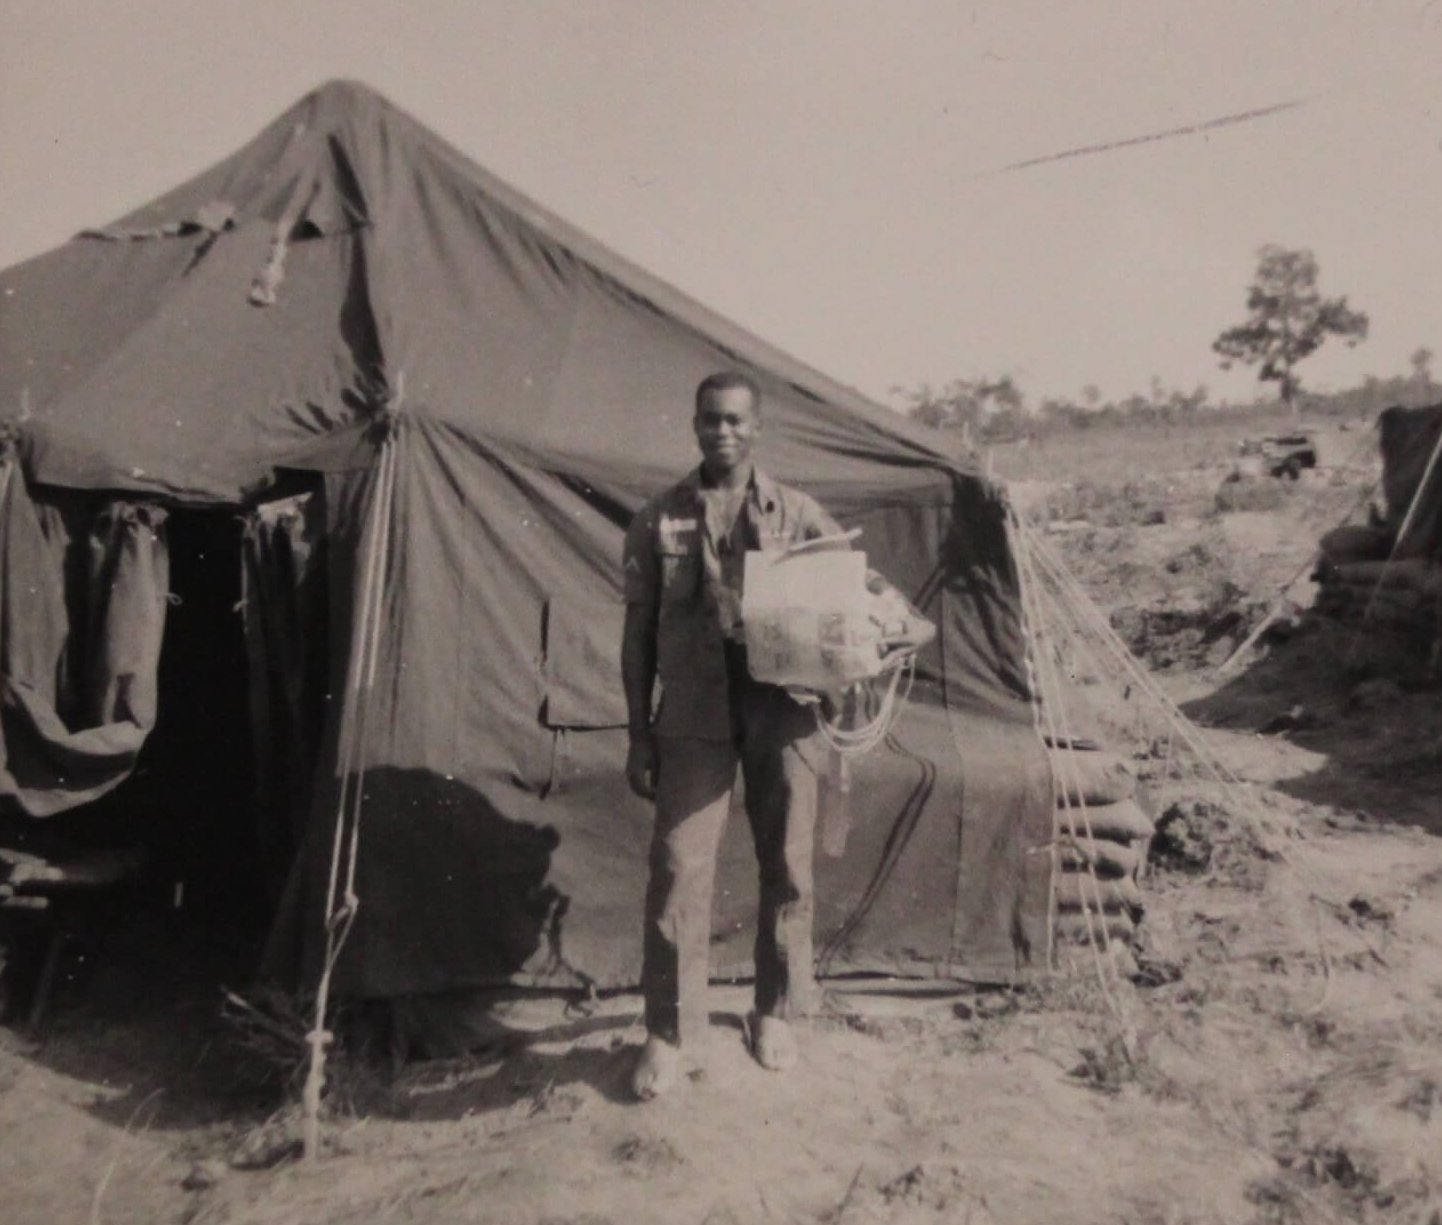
pixel 1277 1059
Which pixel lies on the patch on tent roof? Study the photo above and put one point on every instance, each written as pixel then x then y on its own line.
pixel 312 210
pixel 214 217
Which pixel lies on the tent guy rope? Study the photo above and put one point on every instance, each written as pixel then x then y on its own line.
pixel 1049 709
pixel 1086 622
pixel 342 906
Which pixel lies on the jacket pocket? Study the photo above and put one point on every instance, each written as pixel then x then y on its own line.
pixel 681 574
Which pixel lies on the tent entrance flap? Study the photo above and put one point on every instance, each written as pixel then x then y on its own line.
pixel 582 668
pixel 129 614
pixel 284 605
pixel 83 587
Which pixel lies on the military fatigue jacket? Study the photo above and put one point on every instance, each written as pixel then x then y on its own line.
pixel 673 567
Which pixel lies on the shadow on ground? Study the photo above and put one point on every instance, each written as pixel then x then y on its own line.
pixel 525 1048
pixel 135 1022
pixel 134 1019
pixel 1364 704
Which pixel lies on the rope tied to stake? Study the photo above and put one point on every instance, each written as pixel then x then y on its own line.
pixel 342 899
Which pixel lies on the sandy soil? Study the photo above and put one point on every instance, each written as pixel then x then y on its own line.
pixel 1279 1058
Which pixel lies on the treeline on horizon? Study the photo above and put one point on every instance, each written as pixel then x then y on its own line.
pixel 997 410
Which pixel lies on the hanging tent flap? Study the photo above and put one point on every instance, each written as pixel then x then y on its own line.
pixel 83 585
pixel 284 613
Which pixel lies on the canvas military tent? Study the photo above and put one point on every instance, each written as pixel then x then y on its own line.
pixel 239 354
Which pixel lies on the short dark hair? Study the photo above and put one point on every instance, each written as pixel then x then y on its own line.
pixel 728 380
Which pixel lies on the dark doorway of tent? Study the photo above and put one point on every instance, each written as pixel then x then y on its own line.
pixel 195 777
pixel 178 870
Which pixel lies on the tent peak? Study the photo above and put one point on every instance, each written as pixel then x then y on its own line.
pixel 345 87
pixel 342 96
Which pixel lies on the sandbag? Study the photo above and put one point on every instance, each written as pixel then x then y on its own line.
pixel 1075 890
pixel 1101 778
pixel 1382 615
pixel 1417 573
pixel 1071 928
pixel 1396 603
pixel 1400 598
pixel 1107 858
pixel 1355 542
pixel 1120 822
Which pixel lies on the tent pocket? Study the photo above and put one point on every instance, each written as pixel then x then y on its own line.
pixel 581 673
pixel 582 663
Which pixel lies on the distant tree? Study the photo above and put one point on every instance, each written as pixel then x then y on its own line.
pixel 1001 395
pixel 964 404
pixel 1288 320
pixel 926 405
pixel 1421 360
pixel 1091 395
pixel 952 407
pixel 1183 403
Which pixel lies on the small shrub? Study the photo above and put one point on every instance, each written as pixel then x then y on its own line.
pixel 1135 504
pixel 1240 492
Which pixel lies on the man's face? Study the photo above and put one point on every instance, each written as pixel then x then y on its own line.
pixel 726 425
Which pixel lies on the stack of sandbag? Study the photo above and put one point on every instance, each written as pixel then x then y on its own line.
pixel 1404 596
pixel 1101 837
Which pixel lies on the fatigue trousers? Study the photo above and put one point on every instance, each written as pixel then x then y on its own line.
pixel 774 741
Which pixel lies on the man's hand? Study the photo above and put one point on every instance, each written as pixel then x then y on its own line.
pixel 638 675
pixel 641 765
pixel 900 639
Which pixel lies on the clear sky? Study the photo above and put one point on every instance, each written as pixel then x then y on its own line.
pixel 820 171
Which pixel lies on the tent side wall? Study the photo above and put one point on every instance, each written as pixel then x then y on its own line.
pixel 499 840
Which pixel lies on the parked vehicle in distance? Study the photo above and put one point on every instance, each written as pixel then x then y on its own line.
pixel 1284 454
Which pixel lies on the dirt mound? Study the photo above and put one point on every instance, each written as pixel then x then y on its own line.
pixel 1184 838
pixel 1190 628
pixel 1208 837
pixel 1367 1136
pixel 1242 491
pixel 1137 503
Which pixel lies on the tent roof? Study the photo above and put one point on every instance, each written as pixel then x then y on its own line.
pixel 256 316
